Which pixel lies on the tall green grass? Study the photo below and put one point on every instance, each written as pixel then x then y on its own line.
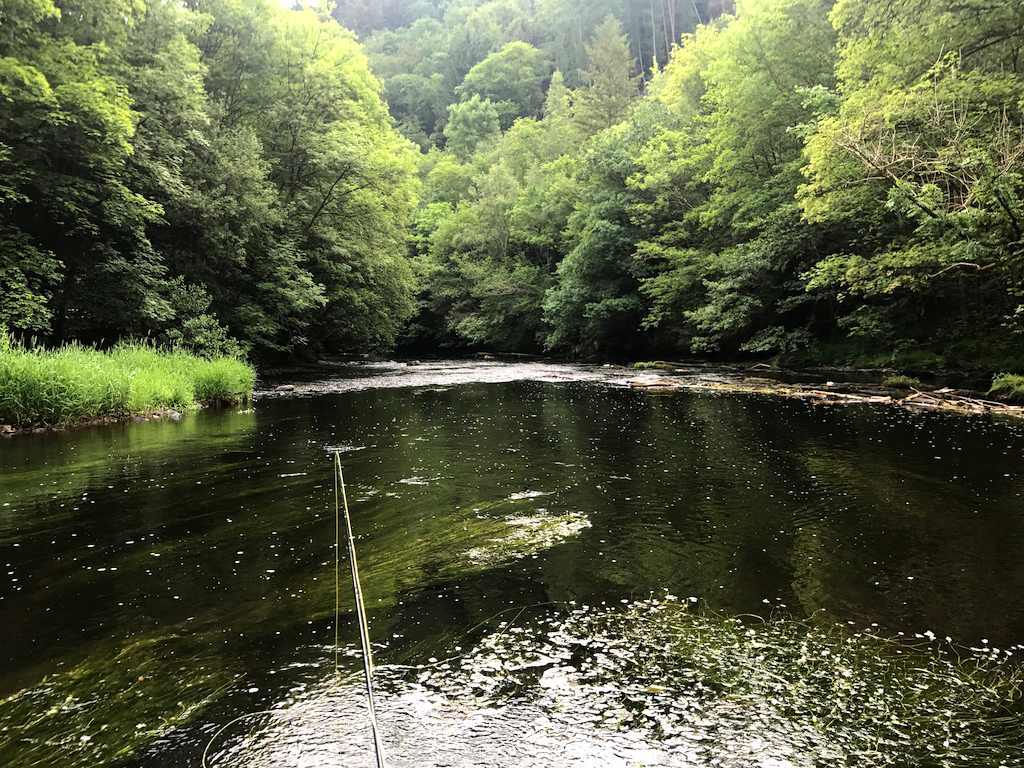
pixel 1008 386
pixel 76 383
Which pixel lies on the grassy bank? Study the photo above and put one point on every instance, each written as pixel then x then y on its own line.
pixel 75 384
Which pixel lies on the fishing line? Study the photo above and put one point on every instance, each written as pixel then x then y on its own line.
pixel 337 561
pixel 340 504
pixel 227 725
pixel 364 630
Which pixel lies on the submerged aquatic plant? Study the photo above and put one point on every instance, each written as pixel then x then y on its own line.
pixel 528 534
pixel 742 690
pixel 108 708
pixel 900 381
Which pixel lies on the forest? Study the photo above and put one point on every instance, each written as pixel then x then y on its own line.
pixel 804 180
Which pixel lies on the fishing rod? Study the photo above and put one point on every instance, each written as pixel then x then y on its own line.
pixel 364 630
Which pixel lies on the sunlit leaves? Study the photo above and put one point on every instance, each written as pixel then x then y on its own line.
pixel 609 83
pixel 511 79
pixel 927 144
pixel 471 124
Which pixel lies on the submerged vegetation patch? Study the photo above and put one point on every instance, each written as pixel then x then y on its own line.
pixel 748 691
pixel 529 534
pixel 76 383
pixel 899 381
pixel 645 365
pixel 108 707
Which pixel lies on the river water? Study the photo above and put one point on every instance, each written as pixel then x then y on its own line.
pixel 168 591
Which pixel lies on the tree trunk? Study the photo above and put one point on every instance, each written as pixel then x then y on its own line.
pixel 664 28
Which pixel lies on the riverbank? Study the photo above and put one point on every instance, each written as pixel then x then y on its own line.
pixel 75 385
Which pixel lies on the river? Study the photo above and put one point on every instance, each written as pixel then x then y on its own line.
pixel 166 582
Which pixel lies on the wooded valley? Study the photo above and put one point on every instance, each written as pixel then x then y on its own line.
pixel 812 180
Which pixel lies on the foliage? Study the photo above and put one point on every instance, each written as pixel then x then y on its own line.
pixel 1008 386
pixel 596 305
pixel 511 80
pixel 609 86
pixel 648 364
pixel 792 182
pixel 472 124
pixel 900 381
pixel 801 178
pixel 234 150
pixel 726 271
pixel 926 147
pixel 423 50
pixel 74 256
pixel 76 383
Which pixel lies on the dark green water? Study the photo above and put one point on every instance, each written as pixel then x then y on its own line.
pixel 161 579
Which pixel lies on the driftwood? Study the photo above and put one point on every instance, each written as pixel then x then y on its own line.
pixel 946 400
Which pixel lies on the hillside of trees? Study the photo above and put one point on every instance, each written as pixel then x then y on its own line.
pixel 216 173
pixel 825 181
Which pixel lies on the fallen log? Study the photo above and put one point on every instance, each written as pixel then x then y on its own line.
pixel 944 400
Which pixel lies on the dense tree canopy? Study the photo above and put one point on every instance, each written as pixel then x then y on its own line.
pixel 820 179
pixel 218 170
pixel 925 140
pixel 800 177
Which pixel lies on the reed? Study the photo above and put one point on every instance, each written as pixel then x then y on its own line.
pixel 76 383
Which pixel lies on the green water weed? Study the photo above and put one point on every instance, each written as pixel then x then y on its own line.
pixel 823 695
pixel 649 364
pixel 900 381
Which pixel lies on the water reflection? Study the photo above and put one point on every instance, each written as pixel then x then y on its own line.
pixel 468 498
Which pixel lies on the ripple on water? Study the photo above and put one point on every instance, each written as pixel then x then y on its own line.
pixel 604 687
pixel 440 376
pixel 422 726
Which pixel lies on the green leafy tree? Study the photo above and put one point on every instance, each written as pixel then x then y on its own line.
pixel 511 79
pixel 596 307
pixel 27 270
pixel 334 271
pixel 473 34
pixel 472 125
pixel 926 145
pixel 569 25
pixel 364 16
pixel 609 85
pixel 729 246
pixel 73 227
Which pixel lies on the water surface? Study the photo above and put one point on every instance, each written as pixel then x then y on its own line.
pixel 162 579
